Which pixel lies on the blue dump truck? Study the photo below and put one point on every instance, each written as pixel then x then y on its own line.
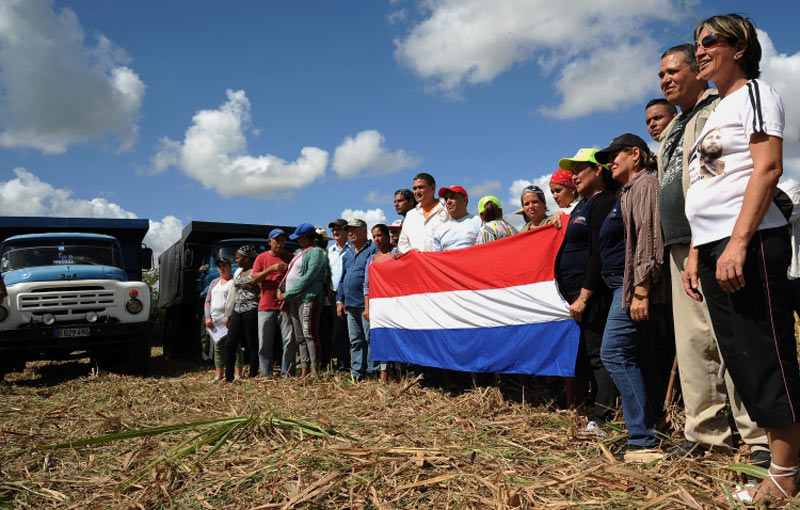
pixel 75 289
pixel 185 271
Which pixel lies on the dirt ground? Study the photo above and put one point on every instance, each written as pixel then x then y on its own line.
pixel 329 443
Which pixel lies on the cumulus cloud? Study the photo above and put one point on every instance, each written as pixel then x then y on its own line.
pixel 214 151
pixel 367 153
pixel 467 42
pixel 27 195
pixel 487 187
pixel 376 197
pixel 782 71
pixel 371 216
pixel 57 89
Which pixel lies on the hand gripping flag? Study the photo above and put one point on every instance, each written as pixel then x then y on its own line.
pixel 489 308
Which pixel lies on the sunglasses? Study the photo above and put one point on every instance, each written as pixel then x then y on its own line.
pixel 713 40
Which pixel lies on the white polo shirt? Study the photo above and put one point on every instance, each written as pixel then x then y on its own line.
pixel 418 231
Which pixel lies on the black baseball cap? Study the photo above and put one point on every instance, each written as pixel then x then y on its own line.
pixel 621 142
pixel 339 222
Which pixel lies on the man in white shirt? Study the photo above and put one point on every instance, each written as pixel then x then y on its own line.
pixel 463 228
pixel 421 222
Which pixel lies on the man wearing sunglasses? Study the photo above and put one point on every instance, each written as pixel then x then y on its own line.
pixel 695 344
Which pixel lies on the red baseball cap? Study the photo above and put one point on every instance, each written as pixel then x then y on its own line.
pixel 453 189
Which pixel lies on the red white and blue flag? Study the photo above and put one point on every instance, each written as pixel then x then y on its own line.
pixel 489 308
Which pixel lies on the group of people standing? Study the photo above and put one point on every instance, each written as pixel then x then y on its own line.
pixel 699 228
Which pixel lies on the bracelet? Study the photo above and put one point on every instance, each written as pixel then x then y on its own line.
pixel 640 297
pixel 583 298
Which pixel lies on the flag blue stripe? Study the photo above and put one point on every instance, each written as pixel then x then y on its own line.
pixel 547 348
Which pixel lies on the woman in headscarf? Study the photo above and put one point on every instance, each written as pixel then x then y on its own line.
pixel 741 248
pixel 535 207
pixel 563 190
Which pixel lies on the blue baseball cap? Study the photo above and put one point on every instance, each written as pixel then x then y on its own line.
pixel 304 229
pixel 275 232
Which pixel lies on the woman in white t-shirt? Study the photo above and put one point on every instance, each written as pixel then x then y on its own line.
pixel 740 240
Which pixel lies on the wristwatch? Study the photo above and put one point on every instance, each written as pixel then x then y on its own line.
pixel 583 298
pixel 640 297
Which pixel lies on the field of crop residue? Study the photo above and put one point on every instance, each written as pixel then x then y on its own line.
pixel 172 440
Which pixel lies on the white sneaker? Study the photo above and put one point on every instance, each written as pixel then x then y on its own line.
pixel 215 380
pixel 592 430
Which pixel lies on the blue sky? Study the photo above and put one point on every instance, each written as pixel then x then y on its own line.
pixel 292 111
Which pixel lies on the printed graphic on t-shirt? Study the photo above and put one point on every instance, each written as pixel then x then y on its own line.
pixel 710 153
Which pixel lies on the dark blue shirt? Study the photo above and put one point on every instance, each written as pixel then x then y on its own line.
pixel 612 243
pixel 351 286
pixel 575 248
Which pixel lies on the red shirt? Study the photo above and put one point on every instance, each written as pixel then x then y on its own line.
pixel 269 299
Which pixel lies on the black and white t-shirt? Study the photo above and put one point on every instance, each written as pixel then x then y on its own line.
pixel 720 163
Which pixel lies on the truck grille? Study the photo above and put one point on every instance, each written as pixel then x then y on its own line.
pixel 66 302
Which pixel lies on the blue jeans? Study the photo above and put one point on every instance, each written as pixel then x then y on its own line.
pixel 628 354
pixel 266 337
pixel 358 328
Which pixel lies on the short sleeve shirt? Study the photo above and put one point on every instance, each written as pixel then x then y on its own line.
pixel 720 163
pixel 268 299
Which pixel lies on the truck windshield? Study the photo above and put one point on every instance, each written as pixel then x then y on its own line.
pixel 59 252
pixel 229 251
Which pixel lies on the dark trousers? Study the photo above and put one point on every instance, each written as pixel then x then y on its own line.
pixel 325 335
pixel 341 342
pixel 588 363
pixel 242 330
pixel 755 327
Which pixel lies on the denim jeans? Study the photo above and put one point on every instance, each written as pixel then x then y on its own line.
pixel 266 337
pixel 628 354
pixel 358 328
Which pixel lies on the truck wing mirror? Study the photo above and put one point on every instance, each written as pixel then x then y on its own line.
pixel 146 258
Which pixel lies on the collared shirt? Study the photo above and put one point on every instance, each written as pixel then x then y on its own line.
pixel 351 284
pixel 644 244
pixel 335 261
pixel 418 231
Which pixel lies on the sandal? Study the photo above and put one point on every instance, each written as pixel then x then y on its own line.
pixel 746 494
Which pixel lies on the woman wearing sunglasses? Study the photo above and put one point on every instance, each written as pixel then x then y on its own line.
pixel 740 241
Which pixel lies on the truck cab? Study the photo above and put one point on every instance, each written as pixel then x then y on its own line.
pixel 74 293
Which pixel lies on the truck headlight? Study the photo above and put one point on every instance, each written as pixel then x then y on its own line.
pixel 48 319
pixel 91 317
pixel 134 306
pixel 3 313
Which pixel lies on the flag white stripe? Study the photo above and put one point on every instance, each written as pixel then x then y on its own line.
pixel 461 309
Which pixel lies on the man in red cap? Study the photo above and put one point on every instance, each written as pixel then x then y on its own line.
pixel 463 228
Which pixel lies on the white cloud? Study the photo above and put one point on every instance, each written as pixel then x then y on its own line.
pixel 371 216
pixel 214 151
pixel 376 197
pixel 487 187
pixel 367 152
pixel 467 42
pixel 55 88
pixel 782 71
pixel 620 75
pixel 27 195
pixel 397 16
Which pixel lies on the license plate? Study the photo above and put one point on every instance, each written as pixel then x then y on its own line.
pixel 71 332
